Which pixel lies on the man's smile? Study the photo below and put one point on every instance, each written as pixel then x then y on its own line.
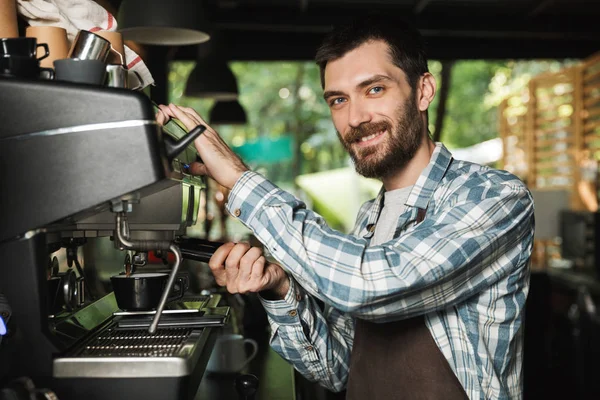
pixel 371 139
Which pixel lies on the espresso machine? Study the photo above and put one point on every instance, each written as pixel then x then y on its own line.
pixel 86 173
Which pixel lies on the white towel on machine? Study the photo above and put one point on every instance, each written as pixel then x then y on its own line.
pixel 76 15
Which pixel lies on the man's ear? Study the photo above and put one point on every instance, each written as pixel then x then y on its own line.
pixel 426 91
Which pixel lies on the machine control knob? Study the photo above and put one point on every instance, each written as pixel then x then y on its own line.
pixel 246 386
pixel 5 313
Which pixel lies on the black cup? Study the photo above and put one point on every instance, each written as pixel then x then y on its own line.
pixel 22 47
pixel 23 68
pixel 80 71
pixel 143 291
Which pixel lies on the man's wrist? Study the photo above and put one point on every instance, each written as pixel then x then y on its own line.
pixel 236 177
pixel 278 292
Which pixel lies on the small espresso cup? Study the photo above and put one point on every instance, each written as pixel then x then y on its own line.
pixel 22 47
pixel 91 72
pixel 140 292
pixel 229 355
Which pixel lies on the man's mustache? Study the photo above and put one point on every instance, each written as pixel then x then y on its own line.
pixel 366 129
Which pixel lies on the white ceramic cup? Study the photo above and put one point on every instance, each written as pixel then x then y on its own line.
pixel 229 354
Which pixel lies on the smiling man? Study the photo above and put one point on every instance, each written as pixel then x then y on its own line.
pixel 424 299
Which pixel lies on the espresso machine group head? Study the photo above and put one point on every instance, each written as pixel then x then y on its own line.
pixel 81 164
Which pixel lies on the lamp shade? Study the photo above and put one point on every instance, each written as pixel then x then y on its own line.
pixel 228 113
pixel 160 22
pixel 212 79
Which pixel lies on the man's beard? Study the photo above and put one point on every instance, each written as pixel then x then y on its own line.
pixel 394 153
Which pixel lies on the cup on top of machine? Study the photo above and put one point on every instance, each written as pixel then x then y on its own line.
pixel 18 58
pixel 92 72
pixel 56 39
pixel 89 46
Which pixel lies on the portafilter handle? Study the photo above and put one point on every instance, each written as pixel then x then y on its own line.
pixel 197 249
pixel 174 147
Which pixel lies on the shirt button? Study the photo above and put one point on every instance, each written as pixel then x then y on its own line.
pixel 298 296
pixel 371 228
pixel 293 313
pixel 237 212
pixel 309 348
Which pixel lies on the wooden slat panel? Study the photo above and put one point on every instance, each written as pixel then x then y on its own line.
pixel 578 96
pixel 529 139
pixel 554 164
pixel 548 154
pixel 542 121
pixel 551 107
pixel 591 61
pixel 549 142
pixel 591 112
pixel 592 101
pixel 540 131
pixel 590 88
pixel 590 139
pixel 590 126
pixel 591 76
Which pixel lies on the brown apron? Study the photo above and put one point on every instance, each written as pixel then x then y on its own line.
pixel 399 360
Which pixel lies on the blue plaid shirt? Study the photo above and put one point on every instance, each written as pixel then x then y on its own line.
pixel 464 267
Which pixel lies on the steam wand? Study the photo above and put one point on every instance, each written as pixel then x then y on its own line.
pixel 148 245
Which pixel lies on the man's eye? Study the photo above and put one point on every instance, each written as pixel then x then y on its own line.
pixel 376 90
pixel 336 101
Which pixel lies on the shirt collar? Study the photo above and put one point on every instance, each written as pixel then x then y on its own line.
pixel 426 184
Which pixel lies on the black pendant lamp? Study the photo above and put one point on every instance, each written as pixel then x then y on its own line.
pixel 212 79
pixel 228 113
pixel 162 22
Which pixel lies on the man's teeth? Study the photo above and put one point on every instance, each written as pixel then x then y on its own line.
pixel 371 136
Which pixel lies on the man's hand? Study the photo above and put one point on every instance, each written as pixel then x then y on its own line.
pixel 244 269
pixel 219 161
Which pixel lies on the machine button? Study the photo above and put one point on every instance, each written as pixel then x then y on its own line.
pixel 2 326
pixel 293 313
pixel 237 212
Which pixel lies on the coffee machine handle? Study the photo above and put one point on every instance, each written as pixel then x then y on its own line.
pixel 174 147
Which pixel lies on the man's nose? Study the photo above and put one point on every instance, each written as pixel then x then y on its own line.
pixel 358 114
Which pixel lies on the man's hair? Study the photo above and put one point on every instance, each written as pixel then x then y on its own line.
pixel 406 45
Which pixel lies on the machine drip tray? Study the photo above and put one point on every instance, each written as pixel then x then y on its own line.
pixel 136 343
pixel 123 348
pixel 135 353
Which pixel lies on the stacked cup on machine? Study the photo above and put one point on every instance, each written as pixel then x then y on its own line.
pixel 116 70
pixel 90 58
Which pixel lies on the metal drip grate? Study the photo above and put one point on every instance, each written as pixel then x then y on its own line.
pixel 197 299
pixel 136 343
